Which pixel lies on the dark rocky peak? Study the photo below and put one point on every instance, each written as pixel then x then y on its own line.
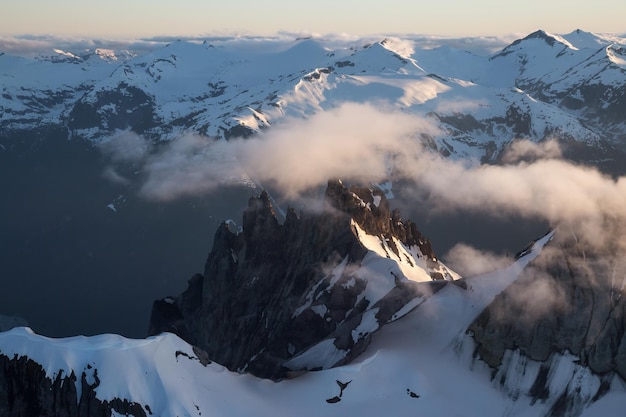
pixel 518 45
pixel 261 231
pixel 370 210
pixel 540 34
pixel 260 216
pixel 272 291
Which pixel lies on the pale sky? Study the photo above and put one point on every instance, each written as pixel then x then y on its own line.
pixel 144 18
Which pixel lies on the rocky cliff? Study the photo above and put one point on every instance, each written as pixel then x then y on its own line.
pixel 26 391
pixel 569 302
pixel 271 293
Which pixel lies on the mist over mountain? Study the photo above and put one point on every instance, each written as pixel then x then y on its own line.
pixel 124 165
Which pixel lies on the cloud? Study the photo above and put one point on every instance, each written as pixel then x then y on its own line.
pixel 355 142
pixel 470 261
pixel 479 45
pixel 35 45
pixel 555 190
pixel 458 105
pixel 126 146
pixel 191 164
pixel 367 143
pixel 536 295
pixel 526 150
pixel 112 174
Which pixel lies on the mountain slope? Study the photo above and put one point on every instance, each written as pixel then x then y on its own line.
pixel 569 304
pixel 306 294
pixel 575 93
pixel 413 364
pixel 324 289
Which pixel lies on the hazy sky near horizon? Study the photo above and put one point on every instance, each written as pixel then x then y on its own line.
pixel 145 18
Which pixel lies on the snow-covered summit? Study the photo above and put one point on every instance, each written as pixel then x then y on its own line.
pixel 588 40
pixel 228 89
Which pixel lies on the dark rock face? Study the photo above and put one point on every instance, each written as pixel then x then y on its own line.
pixel 271 291
pixel 570 300
pixel 125 107
pixel 561 325
pixel 26 391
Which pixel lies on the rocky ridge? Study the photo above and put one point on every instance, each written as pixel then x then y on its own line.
pixel 26 390
pixel 583 314
pixel 273 296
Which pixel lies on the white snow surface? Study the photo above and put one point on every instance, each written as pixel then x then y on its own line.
pixel 209 87
pixel 426 353
pixel 409 263
pixel 379 270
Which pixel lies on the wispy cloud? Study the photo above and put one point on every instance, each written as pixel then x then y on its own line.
pixel 190 164
pixel 363 142
pixel 458 105
pixel 525 150
pixel 472 261
pixel 355 142
pixel 366 143
pixel 126 146
pixel 405 44
pixel 32 46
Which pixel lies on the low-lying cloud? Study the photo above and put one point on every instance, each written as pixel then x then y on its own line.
pixel 527 151
pixel 472 261
pixel 366 143
pixel 189 165
pixel 354 142
pixel 126 146
pixel 33 45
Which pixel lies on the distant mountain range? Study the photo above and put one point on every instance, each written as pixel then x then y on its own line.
pixel 541 86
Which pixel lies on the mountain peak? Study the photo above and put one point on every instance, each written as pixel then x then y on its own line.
pixel 312 279
pixel 538 42
pixel 550 39
pixel 542 34
pixel 583 40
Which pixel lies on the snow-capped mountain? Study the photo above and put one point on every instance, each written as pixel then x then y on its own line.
pixel 422 362
pixel 163 375
pixel 387 328
pixel 310 292
pixel 344 305
pixel 542 86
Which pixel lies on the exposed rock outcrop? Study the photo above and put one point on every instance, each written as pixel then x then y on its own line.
pixel 571 300
pixel 125 107
pixel 26 391
pixel 557 334
pixel 272 291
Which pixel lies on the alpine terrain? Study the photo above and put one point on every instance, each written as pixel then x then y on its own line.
pixel 303 160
